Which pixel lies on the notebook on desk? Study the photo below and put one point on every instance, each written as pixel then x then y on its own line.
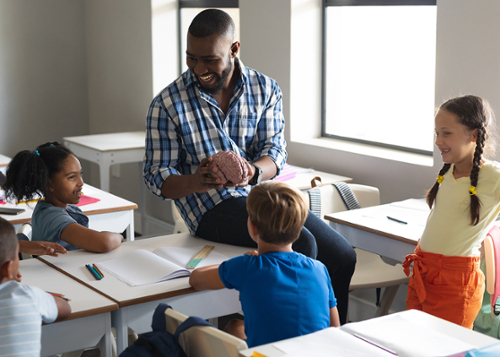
pixel 142 267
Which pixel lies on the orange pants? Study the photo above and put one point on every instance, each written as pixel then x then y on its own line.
pixel 451 288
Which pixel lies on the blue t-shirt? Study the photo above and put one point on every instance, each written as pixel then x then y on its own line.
pixel 283 294
pixel 49 221
pixel 22 310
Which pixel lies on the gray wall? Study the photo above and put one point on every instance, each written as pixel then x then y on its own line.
pixel 85 66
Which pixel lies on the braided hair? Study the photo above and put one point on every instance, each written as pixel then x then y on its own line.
pixel 29 172
pixel 475 113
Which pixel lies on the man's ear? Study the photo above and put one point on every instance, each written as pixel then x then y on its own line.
pixel 235 48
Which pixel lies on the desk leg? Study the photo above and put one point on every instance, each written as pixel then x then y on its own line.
pixel 104 160
pixel 105 345
pixel 130 228
pixel 120 323
pixel 142 205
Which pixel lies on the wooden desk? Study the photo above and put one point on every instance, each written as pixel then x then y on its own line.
pixel 370 229
pixel 422 335
pixel 138 303
pixel 111 213
pixel 90 321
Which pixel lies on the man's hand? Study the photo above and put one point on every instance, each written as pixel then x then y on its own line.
pixel 244 182
pixel 41 248
pixel 205 177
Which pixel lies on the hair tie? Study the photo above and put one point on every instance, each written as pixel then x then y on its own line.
pixel 51 145
pixel 36 152
pixel 440 179
pixel 472 190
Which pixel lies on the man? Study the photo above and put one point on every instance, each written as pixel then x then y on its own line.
pixel 218 104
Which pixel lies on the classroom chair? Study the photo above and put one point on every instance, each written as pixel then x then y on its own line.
pixel 371 271
pixel 24 233
pixel 179 225
pixel 488 319
pixel 204 341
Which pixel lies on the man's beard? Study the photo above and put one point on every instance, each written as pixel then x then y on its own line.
pixel 222 80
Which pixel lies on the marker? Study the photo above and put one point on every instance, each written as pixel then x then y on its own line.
pixel 98 270
pixel 397 220
pixel 93 272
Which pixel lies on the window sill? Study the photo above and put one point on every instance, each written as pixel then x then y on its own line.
pixel 372 151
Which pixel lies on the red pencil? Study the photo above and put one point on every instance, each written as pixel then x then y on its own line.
pixel 100 272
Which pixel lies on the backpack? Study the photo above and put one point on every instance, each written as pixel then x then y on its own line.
pixel 160 343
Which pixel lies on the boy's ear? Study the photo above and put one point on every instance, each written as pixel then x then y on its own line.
pixel 6 269
pixel 253 229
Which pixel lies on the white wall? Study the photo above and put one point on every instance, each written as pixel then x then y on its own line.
pixel 43 79
pixel 468 53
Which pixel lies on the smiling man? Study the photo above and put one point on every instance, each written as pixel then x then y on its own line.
pixel 218 104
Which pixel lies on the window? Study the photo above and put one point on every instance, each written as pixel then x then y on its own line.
pixel 188 9
pixel 379 72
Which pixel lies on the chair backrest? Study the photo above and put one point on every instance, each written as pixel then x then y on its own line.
pixel 26 230
pixel 179 224
pixel 332 202
pixel 204 341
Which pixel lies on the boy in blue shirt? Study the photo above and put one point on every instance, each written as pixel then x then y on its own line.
pixel 22 307
pixel 283 294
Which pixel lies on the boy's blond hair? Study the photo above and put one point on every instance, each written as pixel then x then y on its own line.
pixel 8 241
pixel 278 210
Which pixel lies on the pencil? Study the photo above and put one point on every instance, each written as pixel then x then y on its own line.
pixel 98 270
pixel 55 294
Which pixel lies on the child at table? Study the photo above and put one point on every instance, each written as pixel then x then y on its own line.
pixel 54 172
pixel 283 293
pixel 22 307
pixel 447 281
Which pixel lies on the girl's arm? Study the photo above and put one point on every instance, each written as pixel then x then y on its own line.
pixel 206 278
pixel 91 240
pixel 334 317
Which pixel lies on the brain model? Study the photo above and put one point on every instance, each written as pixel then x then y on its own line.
pixel 231 167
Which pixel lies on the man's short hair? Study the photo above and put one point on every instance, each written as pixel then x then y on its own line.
pixel 210 22
pixel 278 210
pixel 8 241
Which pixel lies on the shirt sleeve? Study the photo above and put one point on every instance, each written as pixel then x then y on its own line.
pixel 44 302
pixel 232 272
pixel 52 221
pixel 162 147
pixel 270 131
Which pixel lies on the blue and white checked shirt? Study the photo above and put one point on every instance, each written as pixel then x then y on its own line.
pixel 186 124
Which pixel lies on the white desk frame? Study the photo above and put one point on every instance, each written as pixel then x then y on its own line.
pixel 390 239
pixel 90 321
pixel 111 213
pixel 138 303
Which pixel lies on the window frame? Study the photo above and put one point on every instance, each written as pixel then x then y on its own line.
pixel 334 3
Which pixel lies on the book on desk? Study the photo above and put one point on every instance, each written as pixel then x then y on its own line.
pixel 142 267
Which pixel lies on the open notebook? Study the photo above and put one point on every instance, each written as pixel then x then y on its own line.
pixel 143 267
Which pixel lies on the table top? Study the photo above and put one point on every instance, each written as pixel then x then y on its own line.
pixel 74 262
pixel 108 203
pixel 375 219
pixel 302 180
pixel 4 160
pixel 84 301
pixel 110 142
pixel 396 331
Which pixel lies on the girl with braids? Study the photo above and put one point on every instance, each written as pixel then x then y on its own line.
pixel 447 281
pixel 53 172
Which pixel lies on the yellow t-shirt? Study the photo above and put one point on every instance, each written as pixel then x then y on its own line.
pixel 448 230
